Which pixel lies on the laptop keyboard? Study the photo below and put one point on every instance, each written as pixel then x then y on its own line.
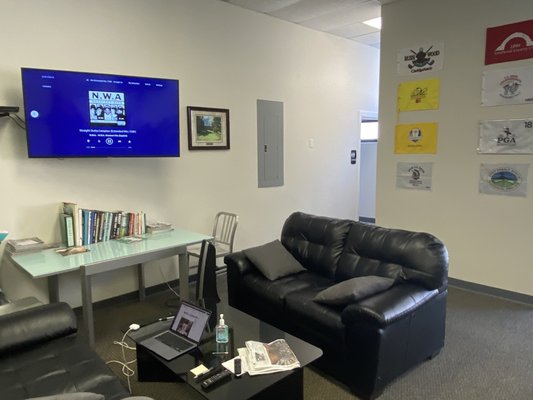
pixel 173 341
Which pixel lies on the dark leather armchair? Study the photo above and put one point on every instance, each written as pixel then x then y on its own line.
pixel 40 355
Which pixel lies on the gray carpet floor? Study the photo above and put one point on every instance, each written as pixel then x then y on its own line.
pixel 488 353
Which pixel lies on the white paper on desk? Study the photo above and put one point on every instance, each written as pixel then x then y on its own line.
pixel 230 365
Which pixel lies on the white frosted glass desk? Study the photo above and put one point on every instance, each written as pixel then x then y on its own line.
pixel 109 256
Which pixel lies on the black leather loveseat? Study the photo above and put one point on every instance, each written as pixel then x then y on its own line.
pixel 366 342
pixel 40 355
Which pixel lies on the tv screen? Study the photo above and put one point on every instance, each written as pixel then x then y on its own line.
pixel 82 114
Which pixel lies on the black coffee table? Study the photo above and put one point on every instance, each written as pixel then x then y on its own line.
pixel 243 327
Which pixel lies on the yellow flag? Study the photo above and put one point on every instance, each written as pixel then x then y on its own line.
pixel 416 138
pixel 419 95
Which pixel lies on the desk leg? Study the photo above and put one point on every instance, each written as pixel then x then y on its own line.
pixel 87 304
pixel 141 278
pixel 53 288
pixel 184 275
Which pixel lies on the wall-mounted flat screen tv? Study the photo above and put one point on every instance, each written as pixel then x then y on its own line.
pixel 82 114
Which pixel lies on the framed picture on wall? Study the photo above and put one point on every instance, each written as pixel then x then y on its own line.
pixel 208 128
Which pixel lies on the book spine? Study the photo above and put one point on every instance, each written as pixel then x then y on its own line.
pixel 130 224
pixel 92 227
pixel 108 220
pixel 86 224
pixel 69 229
pixel 116 225
pixel 79 223
pixel 123 224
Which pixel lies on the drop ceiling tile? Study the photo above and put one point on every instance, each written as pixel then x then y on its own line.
pixel 342 17
pixel 355 29
pixel 262 5
pixel 372 39
pixel 308 9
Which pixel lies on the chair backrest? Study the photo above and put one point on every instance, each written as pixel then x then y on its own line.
pixel 206 284
pixel 225 227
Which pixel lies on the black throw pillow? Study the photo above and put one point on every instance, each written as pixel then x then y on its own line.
pixel 273 260
pixel 353 289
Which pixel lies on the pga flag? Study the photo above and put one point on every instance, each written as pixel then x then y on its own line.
pixel 511 136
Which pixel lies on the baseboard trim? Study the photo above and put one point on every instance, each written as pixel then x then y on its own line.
pixel 491 291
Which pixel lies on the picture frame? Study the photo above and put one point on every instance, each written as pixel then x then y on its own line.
pixel 208 128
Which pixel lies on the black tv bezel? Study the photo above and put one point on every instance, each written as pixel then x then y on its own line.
pixel 178 155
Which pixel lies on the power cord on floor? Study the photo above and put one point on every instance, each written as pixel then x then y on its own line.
pixel 168 284
pixel 126 370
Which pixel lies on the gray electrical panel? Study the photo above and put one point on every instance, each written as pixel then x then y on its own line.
pixel 269 143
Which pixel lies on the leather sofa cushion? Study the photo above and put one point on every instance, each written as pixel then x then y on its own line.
pixel 322 324
pixel 387 307
pixel 273 260
pixel 353 289
pixel 58 366
pixel 393 253
pixel 316 242
pixel 29 327
pixel 276 291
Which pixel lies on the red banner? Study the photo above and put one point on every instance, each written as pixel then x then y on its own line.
pixel 509 42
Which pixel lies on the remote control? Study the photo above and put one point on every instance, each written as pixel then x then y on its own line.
pixel 237 366
pixel 209 373
pixel 215 379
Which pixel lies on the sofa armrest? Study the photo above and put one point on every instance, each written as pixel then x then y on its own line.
pixel 36 325
pixel 237 266
pixel 389 306
pixel 238 262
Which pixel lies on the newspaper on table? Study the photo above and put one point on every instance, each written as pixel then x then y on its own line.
pixel 265 358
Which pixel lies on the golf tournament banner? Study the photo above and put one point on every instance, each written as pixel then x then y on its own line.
pixel 509 42
pixel 416 176
pixel 507 86
pixel 419 95
pixel 511 136
pixel 504 179
pixel 418 138
pixel 422 58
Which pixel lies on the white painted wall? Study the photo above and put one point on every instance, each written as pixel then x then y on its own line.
pixel 224 57
pixel 489 237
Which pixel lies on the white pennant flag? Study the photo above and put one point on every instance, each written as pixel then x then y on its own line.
pixel 414 175
pixel 503 179
pixel 507 86
pixel 427 57
pixel 510 136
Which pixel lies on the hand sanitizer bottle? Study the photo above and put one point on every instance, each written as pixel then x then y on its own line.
pixel 222 334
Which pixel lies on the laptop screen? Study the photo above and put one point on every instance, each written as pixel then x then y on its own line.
pixel 190 321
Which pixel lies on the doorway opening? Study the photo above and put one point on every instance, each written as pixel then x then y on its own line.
pixel 368 167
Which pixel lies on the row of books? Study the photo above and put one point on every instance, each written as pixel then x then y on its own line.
pixel 81 226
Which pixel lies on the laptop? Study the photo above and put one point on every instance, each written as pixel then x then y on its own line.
pixel 183 335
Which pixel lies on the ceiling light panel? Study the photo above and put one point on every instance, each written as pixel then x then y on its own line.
pixel 344 17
